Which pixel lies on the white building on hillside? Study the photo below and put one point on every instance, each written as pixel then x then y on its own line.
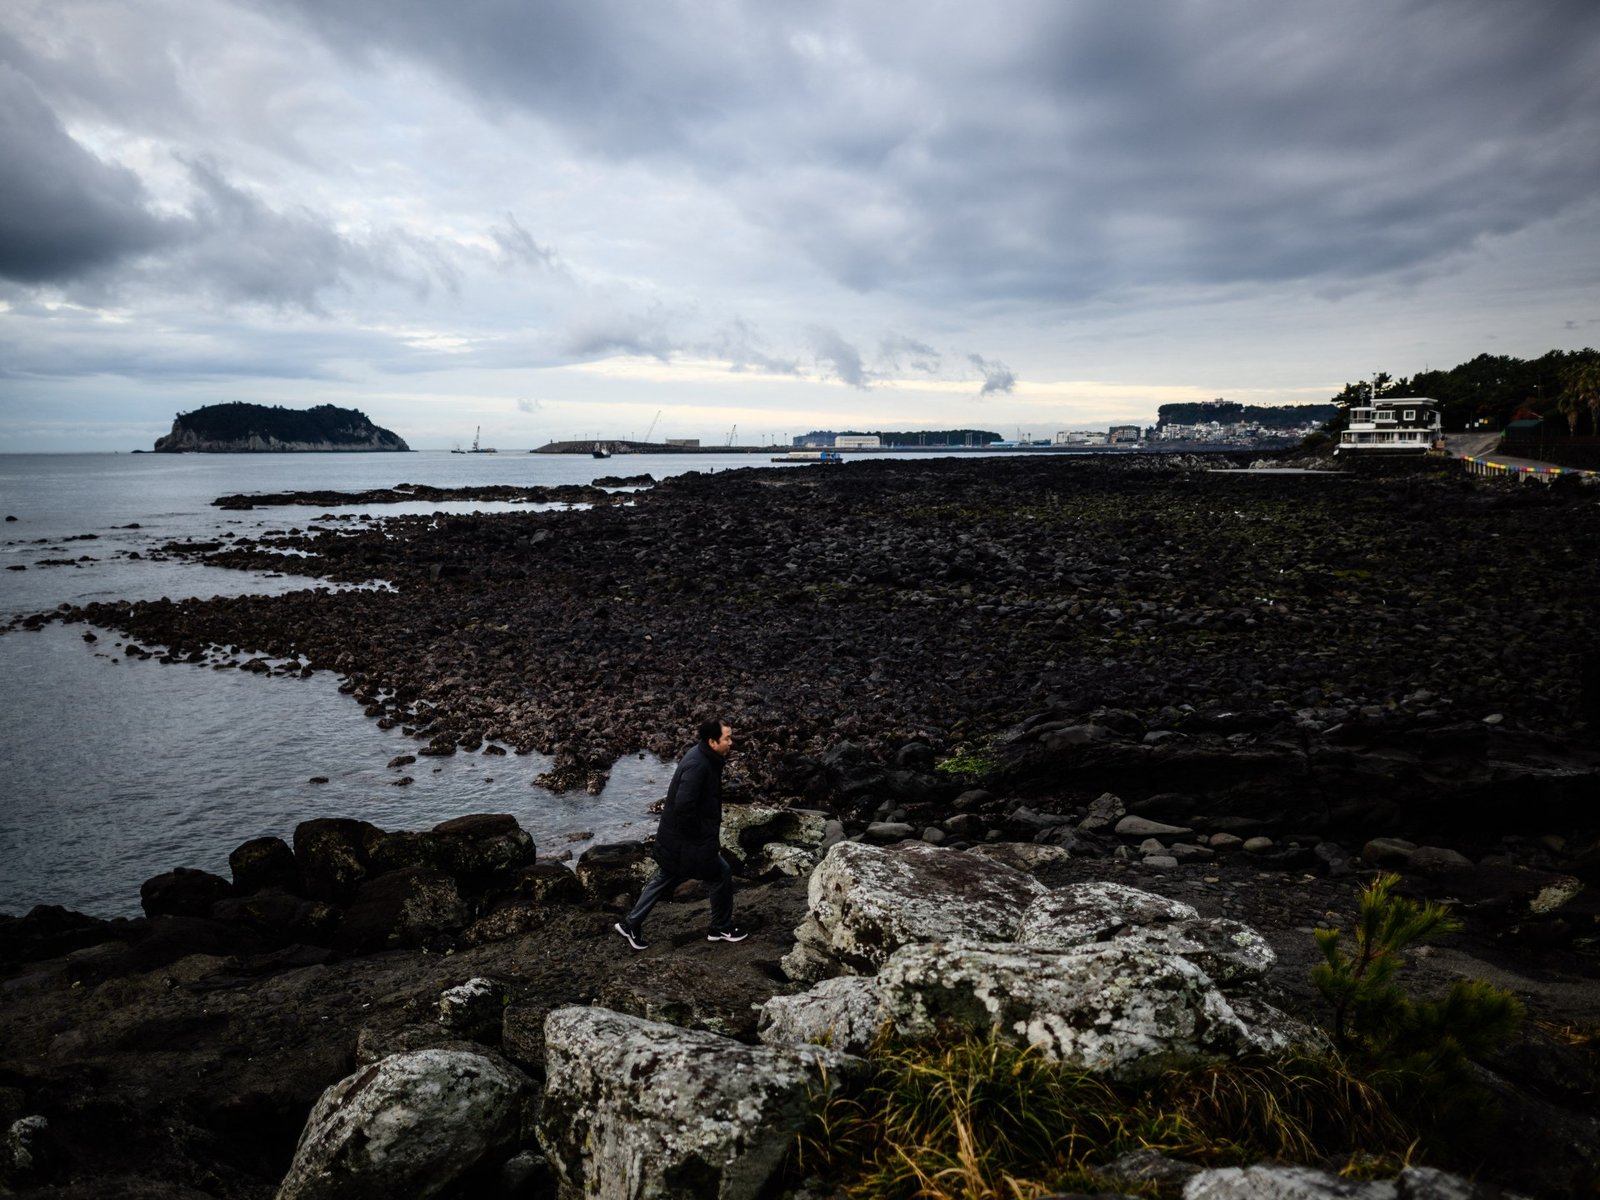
pixel 1393 427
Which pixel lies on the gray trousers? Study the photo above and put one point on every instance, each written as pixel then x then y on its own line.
pixel 662 883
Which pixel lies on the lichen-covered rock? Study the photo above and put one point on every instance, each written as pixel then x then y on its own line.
pixel 865 902
pixel 1095 912
pixel 409 1125
pixel 1273 1031
pixel 635 1110
pixel 1083 914
pixel 474 1007
pixel 1022 856
pixel 749 829
pixel 784 858
pixel 843 1013
pixel 27 1154
pixel 1111 1008
pixel 474 848
pixel 1265 1181
pixel 689 991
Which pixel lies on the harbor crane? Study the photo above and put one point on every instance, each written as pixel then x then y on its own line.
pixel 733 433
pixel 652 428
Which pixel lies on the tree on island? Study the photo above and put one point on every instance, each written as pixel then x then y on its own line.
pixel 239 426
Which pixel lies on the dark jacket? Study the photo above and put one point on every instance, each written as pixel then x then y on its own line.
pixel 689 835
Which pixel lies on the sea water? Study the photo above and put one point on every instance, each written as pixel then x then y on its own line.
pixel 114 769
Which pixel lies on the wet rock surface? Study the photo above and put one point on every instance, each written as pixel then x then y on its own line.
pixel 1273 675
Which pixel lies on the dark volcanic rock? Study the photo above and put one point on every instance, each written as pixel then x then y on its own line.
pixel 408 907
pixel 262 863
pixel 333 854
pixel 48 930
pixel 183 892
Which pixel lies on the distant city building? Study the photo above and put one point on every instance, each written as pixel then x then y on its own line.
pixel 856 441
pixel 1123 435
pixel 1080 437
pixel 688 442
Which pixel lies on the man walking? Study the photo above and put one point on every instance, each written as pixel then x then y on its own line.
pixel 688 838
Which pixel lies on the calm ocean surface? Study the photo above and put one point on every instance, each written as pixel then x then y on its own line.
pixel 113 769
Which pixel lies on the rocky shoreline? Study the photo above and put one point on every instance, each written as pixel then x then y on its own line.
pixel 1244 690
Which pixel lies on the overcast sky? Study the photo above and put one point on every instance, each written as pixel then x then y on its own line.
pixel 554 220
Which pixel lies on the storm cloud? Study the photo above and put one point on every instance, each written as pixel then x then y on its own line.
pixel 832 198
pixel 64 213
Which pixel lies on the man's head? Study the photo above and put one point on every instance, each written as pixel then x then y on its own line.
pixel 717 734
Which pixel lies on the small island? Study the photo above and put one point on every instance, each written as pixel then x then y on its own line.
pixel 259 429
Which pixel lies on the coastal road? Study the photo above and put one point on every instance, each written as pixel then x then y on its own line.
pixel 1479 449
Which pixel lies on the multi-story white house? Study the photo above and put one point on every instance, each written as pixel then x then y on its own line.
pixel 1408 426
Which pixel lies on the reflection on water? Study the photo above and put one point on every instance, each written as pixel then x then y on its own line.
pixel 113 770
pixel 102 793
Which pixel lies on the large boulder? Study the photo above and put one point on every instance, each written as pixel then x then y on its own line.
pixel 401 908
pixel 865 902
pixel 1281 1181
pixel 334 855
pixel 263 862
pixel 762 838
pixel 475 849
pixel 614 869
pixel 412 1125
pixel 1083 914
pixel 634 1109
pixel 1113 1008
pixel 689 991
pixel 547 881
pixel 183 892
pixel 483 845
pixel 843 1013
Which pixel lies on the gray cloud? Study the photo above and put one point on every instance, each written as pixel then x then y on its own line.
pixel 530 406
pixel 1053 152
pixel 1122 189
pixel 242 250
pixel 896 350
pixel 608 330
pixel 997 377
pixel 64 214
pixel 517 247
pixel 838 358
pixel 739 343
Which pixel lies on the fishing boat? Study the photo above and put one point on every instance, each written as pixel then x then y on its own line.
pixel 600 451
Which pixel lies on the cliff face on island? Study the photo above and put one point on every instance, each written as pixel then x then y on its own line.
pixel 257 428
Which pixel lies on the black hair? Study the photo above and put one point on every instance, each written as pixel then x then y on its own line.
pixel 711 730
